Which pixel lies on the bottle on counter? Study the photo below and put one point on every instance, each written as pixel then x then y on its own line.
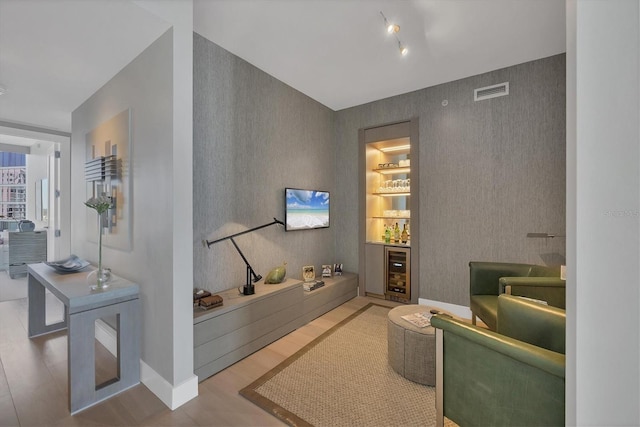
pixel 396 234
pixel 387 234
pixel 405 235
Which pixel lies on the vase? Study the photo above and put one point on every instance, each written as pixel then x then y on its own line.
pixel 98 282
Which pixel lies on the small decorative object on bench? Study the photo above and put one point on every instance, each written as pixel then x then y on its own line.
pixel 326 270
pixel 198 294
pixel 276 275
pixel 210 302
pixel 337 269
pixel 312 286
pixel 308 273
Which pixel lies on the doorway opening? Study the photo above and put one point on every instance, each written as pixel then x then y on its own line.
pixel 32 210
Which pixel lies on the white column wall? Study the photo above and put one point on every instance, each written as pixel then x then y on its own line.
pixel 603 212
pixel 184 384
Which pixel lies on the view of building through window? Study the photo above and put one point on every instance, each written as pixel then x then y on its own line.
pixel 13 186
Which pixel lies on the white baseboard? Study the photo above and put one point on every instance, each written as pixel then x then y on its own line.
pixel 457 310
pixel 171 396
pixel 107 336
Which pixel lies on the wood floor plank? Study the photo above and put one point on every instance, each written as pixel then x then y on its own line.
pixel 23 367
pixel 8 416
pixel 53 347
pixel 4 385
pixel 36 377
pixel 169 418
pixel 212 409
pixel 140 403
pixel 39 405
pixel 59 373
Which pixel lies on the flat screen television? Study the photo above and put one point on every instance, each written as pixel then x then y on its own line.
pixel 306 209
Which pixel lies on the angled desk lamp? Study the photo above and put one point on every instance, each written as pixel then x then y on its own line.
pixel 252 277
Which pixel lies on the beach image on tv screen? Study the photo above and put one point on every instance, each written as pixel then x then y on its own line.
pixel 307 209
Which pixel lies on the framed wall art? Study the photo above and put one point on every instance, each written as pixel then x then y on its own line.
pixel 107 174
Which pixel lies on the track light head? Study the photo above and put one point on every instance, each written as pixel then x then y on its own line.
pixel 403 49
pixel 391 28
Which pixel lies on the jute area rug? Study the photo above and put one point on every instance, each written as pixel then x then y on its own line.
pixel 343 378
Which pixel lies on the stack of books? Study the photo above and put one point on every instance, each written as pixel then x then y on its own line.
pixel 204 300
pixel 310 286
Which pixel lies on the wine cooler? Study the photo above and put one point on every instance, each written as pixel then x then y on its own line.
pixel 397 273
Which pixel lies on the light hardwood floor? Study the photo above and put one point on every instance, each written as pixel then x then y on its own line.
pixel 33 379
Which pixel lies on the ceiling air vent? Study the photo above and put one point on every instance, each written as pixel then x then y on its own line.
pixel 494 91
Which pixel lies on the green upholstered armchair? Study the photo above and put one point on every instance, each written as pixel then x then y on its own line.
pixel 487 280
pixel 512 377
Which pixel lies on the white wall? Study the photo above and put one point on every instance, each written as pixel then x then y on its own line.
pixel 603 212
pixel 149 261
pixel 37 168
pixel 157 88
pixel 183 384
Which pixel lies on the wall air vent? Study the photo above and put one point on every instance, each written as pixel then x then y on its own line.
pixel 494 91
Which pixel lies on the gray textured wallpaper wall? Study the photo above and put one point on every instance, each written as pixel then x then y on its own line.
pixel 254 136
pixel 490 172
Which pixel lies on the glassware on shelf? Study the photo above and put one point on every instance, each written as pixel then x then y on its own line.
pixel 395 186
pixel 396 213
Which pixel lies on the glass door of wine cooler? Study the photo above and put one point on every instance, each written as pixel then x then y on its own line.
pixel 397 273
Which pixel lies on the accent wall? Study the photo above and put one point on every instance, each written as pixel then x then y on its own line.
pixel 253 136
pixel 490 172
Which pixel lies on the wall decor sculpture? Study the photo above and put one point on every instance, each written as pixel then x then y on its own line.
pixel 107 174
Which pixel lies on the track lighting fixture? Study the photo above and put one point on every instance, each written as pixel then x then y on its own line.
pixel 394 29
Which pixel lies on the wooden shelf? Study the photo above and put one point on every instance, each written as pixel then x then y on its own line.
pixel 393 171
pixel 406 193
pixel 391 217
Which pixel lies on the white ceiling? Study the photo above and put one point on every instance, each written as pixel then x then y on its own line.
pixel 55 53
pixel 338 52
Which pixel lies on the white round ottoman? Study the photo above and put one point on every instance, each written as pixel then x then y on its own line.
pixel 412 350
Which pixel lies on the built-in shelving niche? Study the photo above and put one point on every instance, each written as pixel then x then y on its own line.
pixel 389 180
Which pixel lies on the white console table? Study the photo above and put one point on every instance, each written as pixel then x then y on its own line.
pixel 82 308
